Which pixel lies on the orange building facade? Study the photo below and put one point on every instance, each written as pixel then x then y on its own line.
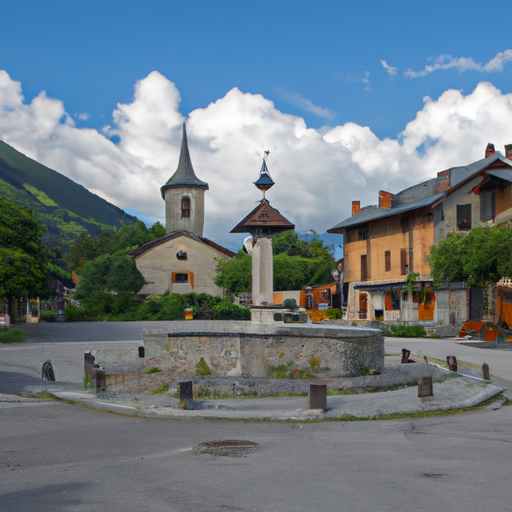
pixel 387 246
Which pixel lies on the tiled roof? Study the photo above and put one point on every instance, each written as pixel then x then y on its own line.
pixel 184 175
pixel 175 234
pixel 372 214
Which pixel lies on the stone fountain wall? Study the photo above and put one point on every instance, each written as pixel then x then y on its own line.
pixel 246 349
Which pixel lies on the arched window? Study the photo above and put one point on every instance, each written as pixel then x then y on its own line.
pixel 185 207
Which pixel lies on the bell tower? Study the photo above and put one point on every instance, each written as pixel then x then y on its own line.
pixel 184 196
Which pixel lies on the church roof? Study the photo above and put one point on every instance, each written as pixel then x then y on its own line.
pixel 176 234
pixel 264 218
pixel 184 175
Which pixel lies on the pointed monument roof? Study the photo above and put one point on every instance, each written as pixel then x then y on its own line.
pixel 263 218
pixel 184 175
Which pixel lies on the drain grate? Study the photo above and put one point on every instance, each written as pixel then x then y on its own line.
pixel 227 448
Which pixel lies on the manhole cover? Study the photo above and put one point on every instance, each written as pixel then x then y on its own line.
pixel 229 448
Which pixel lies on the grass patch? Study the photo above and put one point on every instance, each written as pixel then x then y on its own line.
pixel 160 389
pixel 408 331
pixel 12 335
pixel 202 368
pixel 152 369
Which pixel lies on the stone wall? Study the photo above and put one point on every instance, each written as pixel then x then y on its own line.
pixel 248 349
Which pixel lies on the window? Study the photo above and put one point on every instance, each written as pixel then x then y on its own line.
pixel 181 277
pixel 387 261
pixel 364 268
pixel 464 217
pixel 364 233
pixel 392 300
pixel 185 207
pixel 403 262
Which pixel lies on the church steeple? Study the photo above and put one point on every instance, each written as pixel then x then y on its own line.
pixel 184 174
pixel 184 195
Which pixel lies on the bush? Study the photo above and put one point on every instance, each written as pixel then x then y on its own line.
pixel 333 314
pixel 74 314
pixel 407 331
pixel 226 310
pixel 12 335
pixel 48 316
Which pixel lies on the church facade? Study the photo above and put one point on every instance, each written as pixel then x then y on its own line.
pixel 181 261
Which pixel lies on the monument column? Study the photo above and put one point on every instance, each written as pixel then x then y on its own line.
pixel 262 223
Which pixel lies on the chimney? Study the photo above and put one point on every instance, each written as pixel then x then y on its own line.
pixel 356 206
pixel 489 150
pixel 385 199
pixel 508 151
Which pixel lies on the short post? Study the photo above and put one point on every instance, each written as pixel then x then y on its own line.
pixel 186 394
pixel 101 380
pixel 452 363
pixel 485 371
pixel 405 355
pixel 142 351
pixel 318 396
pixel 425 390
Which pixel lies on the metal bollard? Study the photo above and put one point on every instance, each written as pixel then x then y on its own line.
pixel 186 394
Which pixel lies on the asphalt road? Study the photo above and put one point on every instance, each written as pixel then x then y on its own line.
pixel 58 457
pixel 61 457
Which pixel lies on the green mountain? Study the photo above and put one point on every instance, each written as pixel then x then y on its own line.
pixel 64 207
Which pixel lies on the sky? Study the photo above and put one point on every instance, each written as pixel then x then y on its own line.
pixel 349 97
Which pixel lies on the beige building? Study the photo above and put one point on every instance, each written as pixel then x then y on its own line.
pixel 182 261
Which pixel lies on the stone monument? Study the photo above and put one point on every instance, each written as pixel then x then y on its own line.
pixel 262 223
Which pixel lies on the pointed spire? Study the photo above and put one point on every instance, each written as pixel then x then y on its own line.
pixel 184 175
pixel 265 181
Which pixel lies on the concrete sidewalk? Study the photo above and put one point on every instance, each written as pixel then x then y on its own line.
pixel 452 393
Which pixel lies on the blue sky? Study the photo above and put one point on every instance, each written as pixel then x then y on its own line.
pixel 334 66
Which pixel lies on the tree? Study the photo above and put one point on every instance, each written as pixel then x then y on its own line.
pixel 296 264
pixel 23 257
pixel 480 257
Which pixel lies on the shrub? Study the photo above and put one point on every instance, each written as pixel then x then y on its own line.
pixel 408 331
pixel 226 310
pixel 152 369
pixel 74 314
pixel 12 335
pixel 333 314
pixel 48 316
pixel 202 368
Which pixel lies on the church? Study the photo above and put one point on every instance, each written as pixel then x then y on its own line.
pixel 181 261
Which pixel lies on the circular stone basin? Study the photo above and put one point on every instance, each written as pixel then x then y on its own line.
pixel 227 448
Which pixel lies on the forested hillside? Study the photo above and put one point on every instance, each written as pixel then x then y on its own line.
pixel 64 207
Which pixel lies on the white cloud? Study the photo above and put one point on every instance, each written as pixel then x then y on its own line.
pixel 317 174
pixel 307 105
pixel 366 81
pixel 461 64
pixel 83 116
pixel 390 70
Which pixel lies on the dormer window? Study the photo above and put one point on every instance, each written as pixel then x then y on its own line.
pixel 185 207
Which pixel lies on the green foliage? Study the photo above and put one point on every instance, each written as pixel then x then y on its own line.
pixel 23 257
pixel 48 316
pixel 290 303
pixel 163 388
pixel 12 335
pixel 152 369
pixel 202 368
pixel 296 264
pixel 235 275
pixel 287 371
pixel 64 207
pixel 479 257
pixel 74 314
pixel 408 331
pixel 333 314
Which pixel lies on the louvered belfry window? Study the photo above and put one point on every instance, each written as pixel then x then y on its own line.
pixel 185 207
